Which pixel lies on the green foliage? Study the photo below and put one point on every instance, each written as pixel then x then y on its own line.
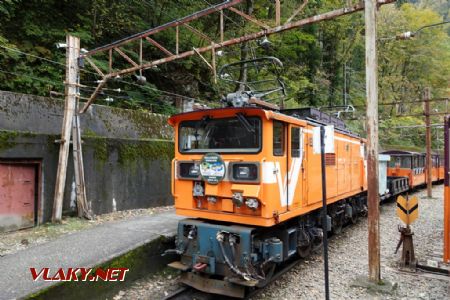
pixel 322 62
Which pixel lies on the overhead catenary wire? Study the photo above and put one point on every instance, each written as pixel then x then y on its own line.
pixel 158 90
pixel 32 77
pixel 32 55
pixel 42 58
pixel 225 16
pixel 83 70
pixel 144 91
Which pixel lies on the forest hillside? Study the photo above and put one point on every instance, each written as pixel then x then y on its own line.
pixel 323 63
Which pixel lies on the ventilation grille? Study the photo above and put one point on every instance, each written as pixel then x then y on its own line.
pixel 330 159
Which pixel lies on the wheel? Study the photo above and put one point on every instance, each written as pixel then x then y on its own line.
pixel 337 224
pixel 363 212
pixel 354 217
pixel 304 251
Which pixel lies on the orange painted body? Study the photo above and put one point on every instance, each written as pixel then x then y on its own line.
pixel 434 174
pixel 441 173
pixel 279 200
pixel 415 177
pixel 437 169
pixel 413 166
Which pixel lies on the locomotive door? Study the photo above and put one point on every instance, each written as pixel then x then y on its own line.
pixel 295 160
pixel 280 149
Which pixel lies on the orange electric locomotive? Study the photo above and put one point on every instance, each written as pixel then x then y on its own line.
pixel 248 177
pixel 250 180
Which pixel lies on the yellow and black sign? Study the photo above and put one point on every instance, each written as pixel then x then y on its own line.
pixel 407 209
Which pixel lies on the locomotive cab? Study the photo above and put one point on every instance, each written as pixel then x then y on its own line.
pixel 249 179
pixel 231 161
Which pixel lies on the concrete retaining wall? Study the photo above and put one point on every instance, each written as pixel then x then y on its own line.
pixel 126 153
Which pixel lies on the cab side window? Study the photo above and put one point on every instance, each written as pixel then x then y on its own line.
pixel 295 142
pixel 278 138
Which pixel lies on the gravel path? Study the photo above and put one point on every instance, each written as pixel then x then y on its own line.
pixel 12 242
pixel 348 263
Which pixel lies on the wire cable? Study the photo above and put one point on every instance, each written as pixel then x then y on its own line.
pixel 31 77
pixel 158 90
pixel 32 55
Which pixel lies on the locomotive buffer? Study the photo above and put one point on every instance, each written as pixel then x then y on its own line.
pixel 407 211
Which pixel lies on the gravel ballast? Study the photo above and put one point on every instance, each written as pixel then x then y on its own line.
pixel 348 263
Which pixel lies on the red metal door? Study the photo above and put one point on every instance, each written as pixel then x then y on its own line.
pixel 17 196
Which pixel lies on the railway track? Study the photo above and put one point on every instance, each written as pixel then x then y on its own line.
pixel 189 293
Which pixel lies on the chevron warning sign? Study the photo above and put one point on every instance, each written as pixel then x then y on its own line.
pixel 407 209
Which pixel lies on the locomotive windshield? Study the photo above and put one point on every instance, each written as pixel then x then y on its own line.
pixel 237 134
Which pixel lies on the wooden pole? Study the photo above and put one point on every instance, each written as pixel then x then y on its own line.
pixel 221 26
pixel 72 54
pixel 372 140
pixel 277 12
pixel 177 40
pixel 83 210
pixel 426 99
pixel 213 63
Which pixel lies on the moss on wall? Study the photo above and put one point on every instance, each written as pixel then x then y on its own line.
pixel 7 139
pixel 148 125
pixel 100 147
pixel 130 152
pixel 89 132
pixel 145 150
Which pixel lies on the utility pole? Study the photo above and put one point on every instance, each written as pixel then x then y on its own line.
pixel 370 11
pixel 426 100
pixel 344 74
pixel 277 12
pixel 72 54
pixel 324 212
pixel 82 205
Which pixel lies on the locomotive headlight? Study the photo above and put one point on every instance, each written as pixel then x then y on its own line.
pixel 188 170
pixel 194 170
pixel 252 203
pixel 244 172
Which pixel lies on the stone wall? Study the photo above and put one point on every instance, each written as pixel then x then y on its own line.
pixel 127 154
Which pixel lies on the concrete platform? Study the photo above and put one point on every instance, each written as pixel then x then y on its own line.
pixel 89 248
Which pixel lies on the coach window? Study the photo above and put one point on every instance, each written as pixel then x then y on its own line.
pixel 415 162
pixel 421 162
pixel 278 138
pixel 406 162
pixel 394 162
